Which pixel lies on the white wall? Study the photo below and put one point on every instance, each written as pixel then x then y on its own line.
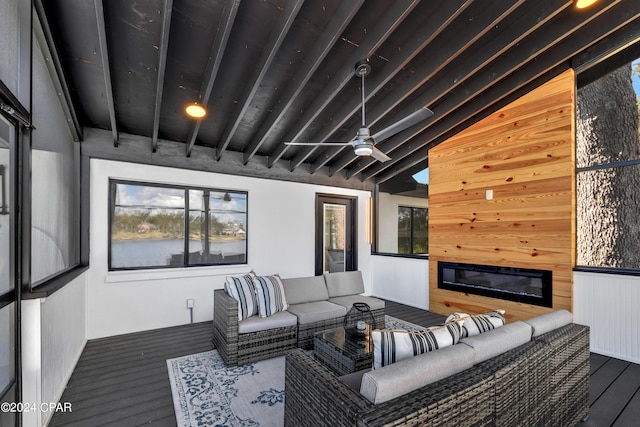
pixel 608 304
pixel 403 280
pixel 281 224
pixel 388 219
pixel 54 332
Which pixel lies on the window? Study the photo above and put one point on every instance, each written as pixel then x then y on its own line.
pixel 608 170
pixel 155 226
pixel 413 236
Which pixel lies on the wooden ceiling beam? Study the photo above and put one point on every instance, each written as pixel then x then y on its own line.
pixel 162 66
pixel 218 47
pixel 104 56
pixel 282 27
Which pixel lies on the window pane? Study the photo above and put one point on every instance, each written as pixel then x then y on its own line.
pixel 147 227
pixel 607 232
pixel 404 230
pixel 227 227
pixel 218 237
pixel 420 228
pixel 6 133
pixel 607 118
pixel 334 237
pixel 7 345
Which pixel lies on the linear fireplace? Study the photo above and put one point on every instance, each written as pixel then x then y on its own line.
pixel 513 284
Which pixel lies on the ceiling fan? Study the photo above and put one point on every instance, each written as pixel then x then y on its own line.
pixel 364 143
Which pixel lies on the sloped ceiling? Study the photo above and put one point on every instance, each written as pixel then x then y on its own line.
pixel 270 71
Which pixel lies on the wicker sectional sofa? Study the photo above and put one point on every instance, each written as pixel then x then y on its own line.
pixel 315 304
pixel 490 379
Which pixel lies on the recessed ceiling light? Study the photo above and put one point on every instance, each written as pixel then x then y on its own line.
pixel 581 4
pixel 195 110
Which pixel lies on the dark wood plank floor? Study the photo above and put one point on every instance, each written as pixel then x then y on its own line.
pixel 123 380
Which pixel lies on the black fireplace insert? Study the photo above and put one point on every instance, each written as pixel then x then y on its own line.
pixel 513 284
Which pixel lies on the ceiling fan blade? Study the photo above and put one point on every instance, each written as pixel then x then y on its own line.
pixel 342 144
pixel 379 155
pixel 402 124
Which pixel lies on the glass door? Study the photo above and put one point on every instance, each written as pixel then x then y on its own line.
pixel 8 323
pixel 335 234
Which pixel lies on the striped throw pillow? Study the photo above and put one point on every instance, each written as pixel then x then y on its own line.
pixel 241 288
pixel 390 346
pixel 270 293
pixel 475 324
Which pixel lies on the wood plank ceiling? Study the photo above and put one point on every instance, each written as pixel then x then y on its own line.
pixel 270 71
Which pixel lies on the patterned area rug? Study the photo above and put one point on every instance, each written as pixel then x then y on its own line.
pixel 207 393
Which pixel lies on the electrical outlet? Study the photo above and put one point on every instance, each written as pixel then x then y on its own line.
pixel 190 303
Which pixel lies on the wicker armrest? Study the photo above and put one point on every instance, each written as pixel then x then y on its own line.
pixel 316 397
pixel 225 320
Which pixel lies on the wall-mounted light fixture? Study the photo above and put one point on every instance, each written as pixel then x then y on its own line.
pixel 368 220
pixel 3 200
pixel 195 110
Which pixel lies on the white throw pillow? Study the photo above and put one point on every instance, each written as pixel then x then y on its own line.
pixel 390 346
pixel 242 289
pixel 475 324
pixel 270 293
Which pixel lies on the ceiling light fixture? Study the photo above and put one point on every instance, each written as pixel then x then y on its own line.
pixel 195 110
pixel 363 150
pixel 582 4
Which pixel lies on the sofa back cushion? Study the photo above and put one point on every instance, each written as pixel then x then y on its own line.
pixel 391 346
pixel 497 341
pixel 344 283
pixel 549 321
pixel 381 385
pixel 305 289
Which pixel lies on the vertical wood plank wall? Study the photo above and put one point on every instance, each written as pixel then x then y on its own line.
pixel 525 154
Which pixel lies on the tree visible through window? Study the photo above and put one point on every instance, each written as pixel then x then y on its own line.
pixel 413 227
pixel 608 175
pixel 168 226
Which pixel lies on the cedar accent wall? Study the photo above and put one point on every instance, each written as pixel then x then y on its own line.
pixel 525 153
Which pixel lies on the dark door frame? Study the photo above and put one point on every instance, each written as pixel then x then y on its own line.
pixel 351 229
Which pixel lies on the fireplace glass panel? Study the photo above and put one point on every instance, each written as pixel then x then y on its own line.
pixel 513 284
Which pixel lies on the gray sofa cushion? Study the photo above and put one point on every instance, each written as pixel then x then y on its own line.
pixel 381 385
pixel 344 283
pixel 280 319
pixel 497 341
pixel 305 289
pixel 348 300
pixel 311 312
pixel 549 321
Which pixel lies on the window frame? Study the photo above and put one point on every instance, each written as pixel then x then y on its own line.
pixel 411 230
pixel 186 189
pixel 590 68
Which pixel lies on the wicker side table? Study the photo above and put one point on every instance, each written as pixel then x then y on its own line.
pixel 342 352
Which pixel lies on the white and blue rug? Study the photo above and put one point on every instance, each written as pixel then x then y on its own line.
pixel 207 393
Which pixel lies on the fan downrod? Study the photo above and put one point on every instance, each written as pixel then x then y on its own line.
pixel 362 68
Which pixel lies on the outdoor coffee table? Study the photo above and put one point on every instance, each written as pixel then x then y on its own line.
pixel 342 352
